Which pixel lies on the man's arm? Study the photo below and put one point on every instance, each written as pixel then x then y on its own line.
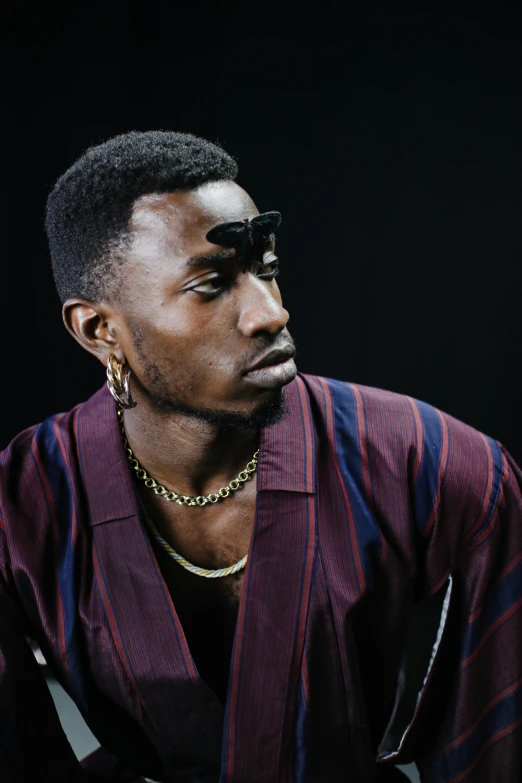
pixel 465 722
pixel 481 739
pixel 33 746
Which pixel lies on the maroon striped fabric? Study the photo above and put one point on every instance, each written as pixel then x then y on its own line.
pixel 380 619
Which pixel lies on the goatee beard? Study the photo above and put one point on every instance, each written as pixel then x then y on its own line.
pixel 265 415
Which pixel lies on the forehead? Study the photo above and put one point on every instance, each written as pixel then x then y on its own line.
pixel 178 222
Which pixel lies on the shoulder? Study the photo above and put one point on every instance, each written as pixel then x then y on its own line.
pixel 379 412
pixel 409 459
pixel 28 472
pixel 39 467
pixel 41 441
pixel 346 394
pixel 391 424
pixel 34 446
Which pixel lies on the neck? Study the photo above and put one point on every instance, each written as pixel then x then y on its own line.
pixel 184 453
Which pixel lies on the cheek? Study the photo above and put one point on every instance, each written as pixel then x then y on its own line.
pixel 208 331
pixel 197 345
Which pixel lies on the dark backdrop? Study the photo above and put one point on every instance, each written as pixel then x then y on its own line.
pixel 389 138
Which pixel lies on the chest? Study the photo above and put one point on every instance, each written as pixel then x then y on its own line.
pixel 206 607
pixel 207 610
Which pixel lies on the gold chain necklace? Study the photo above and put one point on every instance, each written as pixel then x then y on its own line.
pixel 200 500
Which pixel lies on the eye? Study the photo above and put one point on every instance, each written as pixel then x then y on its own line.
pixel 210 287
pixel 269 271
pixel 216 285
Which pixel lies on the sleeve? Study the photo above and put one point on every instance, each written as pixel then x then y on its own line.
pixel 33 746
pixel 464 719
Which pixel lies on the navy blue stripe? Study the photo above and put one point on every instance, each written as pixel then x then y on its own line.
pixel 427 484
pixel 500 598
pixel 300 740
pixel 495 489
pixel 350 464
pixel 455 761
pixel 64 505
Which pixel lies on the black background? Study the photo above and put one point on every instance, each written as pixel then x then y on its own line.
pixel 389 136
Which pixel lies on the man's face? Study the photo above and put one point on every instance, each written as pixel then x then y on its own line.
pixel 192 326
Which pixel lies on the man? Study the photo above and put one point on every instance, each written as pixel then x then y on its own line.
pixel 241 573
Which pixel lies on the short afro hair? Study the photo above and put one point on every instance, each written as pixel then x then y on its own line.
pixel 90 206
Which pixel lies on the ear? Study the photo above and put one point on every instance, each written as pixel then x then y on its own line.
pixel 93 325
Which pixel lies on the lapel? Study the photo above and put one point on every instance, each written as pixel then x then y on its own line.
pixel 270 634
pixel 250 740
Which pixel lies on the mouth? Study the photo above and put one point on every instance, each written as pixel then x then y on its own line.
pixel 273 358
pixel 276 368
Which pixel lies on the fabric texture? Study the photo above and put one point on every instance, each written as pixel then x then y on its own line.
pixel 380 619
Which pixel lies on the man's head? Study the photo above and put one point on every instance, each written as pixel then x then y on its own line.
pixel 127 226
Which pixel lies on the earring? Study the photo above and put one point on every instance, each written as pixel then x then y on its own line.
pixel 118 382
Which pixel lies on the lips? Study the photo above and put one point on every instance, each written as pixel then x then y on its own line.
pixel 275 356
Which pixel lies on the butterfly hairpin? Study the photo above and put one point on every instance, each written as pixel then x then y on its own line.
pixel 248 237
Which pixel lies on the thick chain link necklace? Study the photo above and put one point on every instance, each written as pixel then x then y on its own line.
pixel 200 500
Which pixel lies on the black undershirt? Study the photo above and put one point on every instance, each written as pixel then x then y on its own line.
pixel 208 617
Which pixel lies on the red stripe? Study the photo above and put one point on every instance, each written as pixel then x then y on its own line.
pixel 331 432
pixel 301 629
pixel 499 621
pixel 305 677
pixel 365 463
pixel 495 514
pixel 495 738
pixel 502 695
pixel 116 633
pixel 478 610
pixel 419 438
pixel 487 498
pixel 330 427
pixel 60 621
pixel 510 566
pixel 70 471
pixel 303 397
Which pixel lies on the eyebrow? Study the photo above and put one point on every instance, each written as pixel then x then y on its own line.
pixel 196 262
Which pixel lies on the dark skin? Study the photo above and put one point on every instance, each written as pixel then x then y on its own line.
pixel 186 346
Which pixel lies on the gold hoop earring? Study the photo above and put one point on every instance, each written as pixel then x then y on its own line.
pixel 118 382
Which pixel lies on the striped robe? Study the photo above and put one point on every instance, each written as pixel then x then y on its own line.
pixel 380 619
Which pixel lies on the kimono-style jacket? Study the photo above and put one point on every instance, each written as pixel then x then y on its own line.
pixel 380 618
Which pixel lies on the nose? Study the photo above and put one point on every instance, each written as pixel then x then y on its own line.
pixel 262 308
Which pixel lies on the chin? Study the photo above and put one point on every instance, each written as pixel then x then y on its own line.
pixel 268 410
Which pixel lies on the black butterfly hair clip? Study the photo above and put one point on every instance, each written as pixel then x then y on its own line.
pixel 248 237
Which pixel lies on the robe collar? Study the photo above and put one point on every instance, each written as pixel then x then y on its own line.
pixel 250 738
pixel 286 454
